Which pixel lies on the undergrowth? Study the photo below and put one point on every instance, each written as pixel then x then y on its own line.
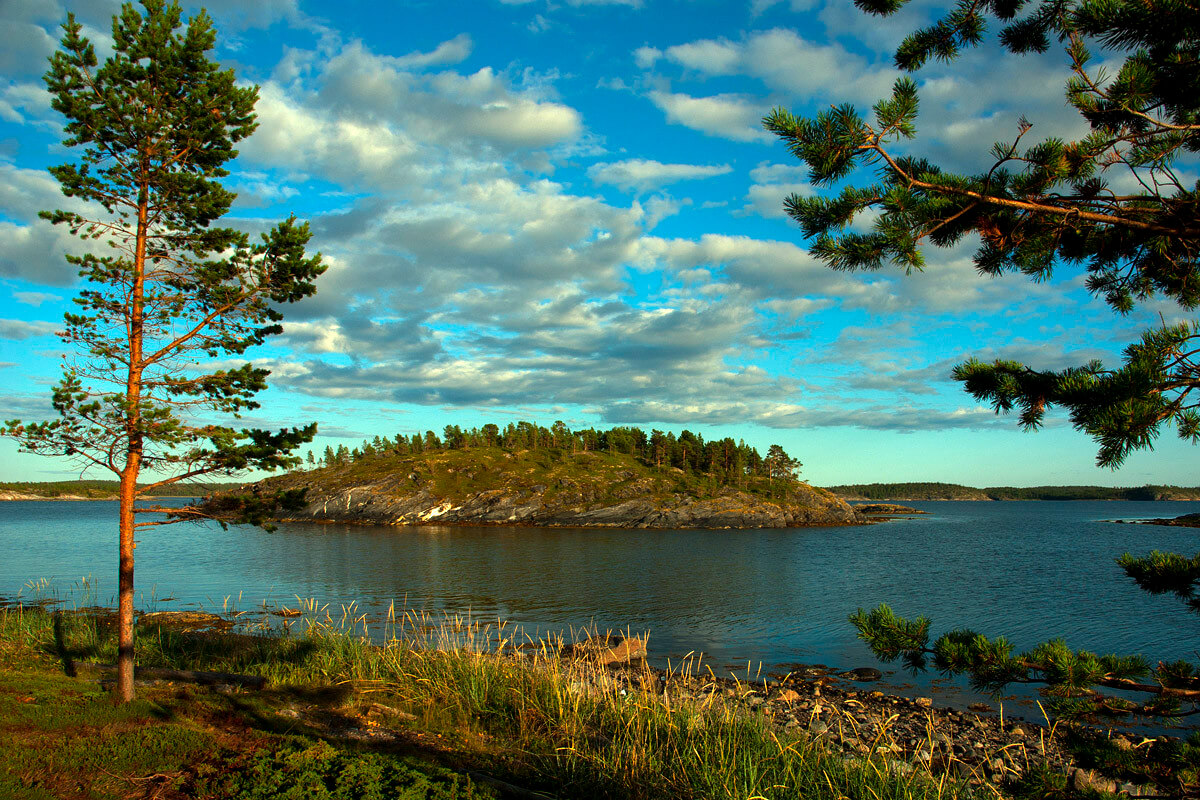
pixel 512 709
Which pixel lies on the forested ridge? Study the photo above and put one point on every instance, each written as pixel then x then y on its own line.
pixel 725 461
pixel 528 474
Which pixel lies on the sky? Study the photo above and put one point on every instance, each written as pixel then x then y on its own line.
pixel 569 210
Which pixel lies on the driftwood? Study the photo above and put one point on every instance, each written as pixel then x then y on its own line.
pixel 182 675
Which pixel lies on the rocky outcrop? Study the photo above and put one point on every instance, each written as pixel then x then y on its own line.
pixel 1185 521
pixel 389 500
pixel 10 495
pixel 885 509
pixel 7 495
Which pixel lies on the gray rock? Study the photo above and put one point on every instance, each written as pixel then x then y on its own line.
pixel 1084 779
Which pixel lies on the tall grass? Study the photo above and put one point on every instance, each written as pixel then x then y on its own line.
pixel 513 703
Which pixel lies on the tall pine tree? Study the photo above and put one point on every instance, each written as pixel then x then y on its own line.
pixel 165 290
pixel 1035 207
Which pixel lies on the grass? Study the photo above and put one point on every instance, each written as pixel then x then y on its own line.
pixel 63 737
pixel 461 699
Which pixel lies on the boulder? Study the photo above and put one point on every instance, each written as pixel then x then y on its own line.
pixel 606 649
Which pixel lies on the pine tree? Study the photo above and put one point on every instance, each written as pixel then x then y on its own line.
pixel 1037 206
pixel 155 123
pixel 1034 208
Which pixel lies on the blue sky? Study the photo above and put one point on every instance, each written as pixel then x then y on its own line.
pixel 536 210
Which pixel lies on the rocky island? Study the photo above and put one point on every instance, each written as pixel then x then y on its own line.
pixel 562 486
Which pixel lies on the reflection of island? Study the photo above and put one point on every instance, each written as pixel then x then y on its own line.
pixel 632 486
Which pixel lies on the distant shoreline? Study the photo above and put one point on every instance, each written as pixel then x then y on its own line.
pixel 96 490
pixel 14 497
pixel 853 493
pixel 927 492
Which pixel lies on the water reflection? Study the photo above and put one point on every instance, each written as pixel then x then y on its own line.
pixel 1027 570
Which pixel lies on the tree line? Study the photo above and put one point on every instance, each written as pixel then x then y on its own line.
pixel 727 460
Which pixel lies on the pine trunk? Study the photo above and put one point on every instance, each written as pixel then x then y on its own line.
pixel 133 459
pixel 125 589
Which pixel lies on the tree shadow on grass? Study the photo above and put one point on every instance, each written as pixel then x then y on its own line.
pixel 66 648
pixel 327 713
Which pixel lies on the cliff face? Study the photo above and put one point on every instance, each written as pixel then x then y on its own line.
pixel 548 489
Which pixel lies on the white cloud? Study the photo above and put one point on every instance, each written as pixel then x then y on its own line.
pixel 786 63
pixel 708 56
pixel 771 183
pixel 34 299
pixel 21 329
pixel 728 116
pixel 30 248
pixel 644 174
pixel 452 51
pixel 371 121
pixel 646 56
pixel 240 15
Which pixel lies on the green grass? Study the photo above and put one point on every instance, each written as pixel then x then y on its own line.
pixel 63 737
pixel 534 721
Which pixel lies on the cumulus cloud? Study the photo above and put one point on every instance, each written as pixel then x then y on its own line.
pixel 785 62
pixel 465 271
pixel 729 116
pixel 644 174
pixel 770 184
pixel 452 51
pixel 565 350
pixel 239 15
pixel 964 108
pixel 373 122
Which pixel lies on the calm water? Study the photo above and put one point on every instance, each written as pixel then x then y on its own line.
pixel 1029 570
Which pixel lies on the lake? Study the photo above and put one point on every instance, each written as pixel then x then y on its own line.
pixel 1028 570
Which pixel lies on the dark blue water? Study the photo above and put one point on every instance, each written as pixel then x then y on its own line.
pixel 1028 570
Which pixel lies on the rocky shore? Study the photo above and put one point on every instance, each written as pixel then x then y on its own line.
pixel 840 711
pixel 885 509
pixel 843 711
pixel 846 712
pixel 364 504
pixel 10 495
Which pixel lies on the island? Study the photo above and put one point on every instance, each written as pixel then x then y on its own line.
pixel 620 478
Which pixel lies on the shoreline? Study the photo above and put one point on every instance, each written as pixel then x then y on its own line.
pixel 839 712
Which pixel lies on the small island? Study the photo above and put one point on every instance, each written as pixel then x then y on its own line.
pixel 1183 521
pixel 531 475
